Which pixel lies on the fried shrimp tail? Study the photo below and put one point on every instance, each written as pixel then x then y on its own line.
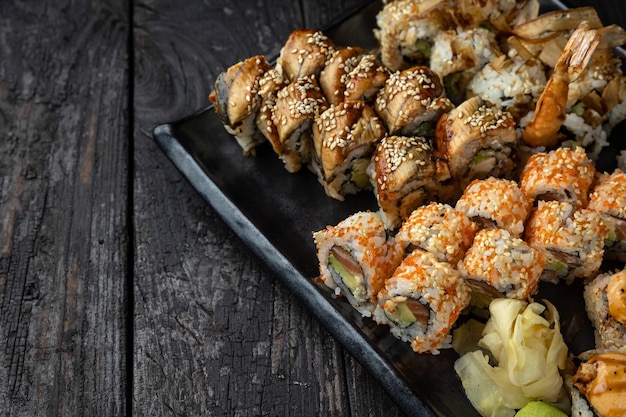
pixel 550 112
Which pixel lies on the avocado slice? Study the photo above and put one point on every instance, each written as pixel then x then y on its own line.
pixel 404 317
pixel 405 311
pixel 352 282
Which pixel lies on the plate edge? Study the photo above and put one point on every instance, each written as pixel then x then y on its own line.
pixel 331 319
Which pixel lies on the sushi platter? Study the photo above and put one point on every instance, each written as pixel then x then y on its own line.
pixel 280 211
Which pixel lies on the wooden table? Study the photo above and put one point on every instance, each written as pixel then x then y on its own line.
pixel 121 291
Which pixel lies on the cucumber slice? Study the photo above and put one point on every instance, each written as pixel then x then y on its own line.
pixel 559 267
pixel 422 49
pixel 359 173
pixel 483 163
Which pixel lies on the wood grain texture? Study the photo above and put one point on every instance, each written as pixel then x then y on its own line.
pixel 90 208
pixel 215 333
pixel 63 175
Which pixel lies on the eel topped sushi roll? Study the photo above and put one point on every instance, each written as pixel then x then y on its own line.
pixel 564 174
pixel 501 265
pixel 496 202
pixel 411 102
pixel 356 256
pixel 477 140
pixel 572 239
pixel 405 175
pixel 365 80
pixel 351 74
pixel 292 115
pixel 605 303
pixel 305 53
pixel 344 139
pixel 333 76
pixel 237 102
pixel 608 198
pixel 422 301
pixel 269 85
pixel 440 229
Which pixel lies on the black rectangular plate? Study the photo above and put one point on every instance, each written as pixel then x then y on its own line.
pixel 275 212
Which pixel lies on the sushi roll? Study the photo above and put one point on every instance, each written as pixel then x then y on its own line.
pixel 411 102
pixel 546 121
pixel 564 174
pixel 458 54
pixel 305 53
pixel 365 80
pixel 605 303
pixel 595 99
pixel 421 302
pixel 496 203
pixel 405 173
pixel 292 116
pixel 477 140
pixel 513 84
pixel 572 239
pixel 495 14
pixel 500 265
pixel 269 86
pixel 597 387
pixel 356 257
pixel 608 198
pixel 236 100
pixel 333 76
pixel 344 139
pixel 406 29
pixel 437 228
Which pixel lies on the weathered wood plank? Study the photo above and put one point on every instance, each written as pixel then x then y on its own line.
pixel 63 176
pixel 215 333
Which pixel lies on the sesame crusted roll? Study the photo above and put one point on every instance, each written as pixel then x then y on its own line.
pixel 411 102
pixel 437 228
pixel 608 198
pixel 405 175
pixel 421 302
pixel 356 257
pixel 344 139
pixel 292 115
pixel 605 303
pixel 501 265
pixel 496 202
pixel 269 85
pixel 564 174
pixel 477 140
pixel 237 102
pixel 365 80
pixel 305 53
pixel 572 239
pixel 333 77
pixel 405 31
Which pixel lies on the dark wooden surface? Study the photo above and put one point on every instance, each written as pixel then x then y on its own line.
pixel 121 291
